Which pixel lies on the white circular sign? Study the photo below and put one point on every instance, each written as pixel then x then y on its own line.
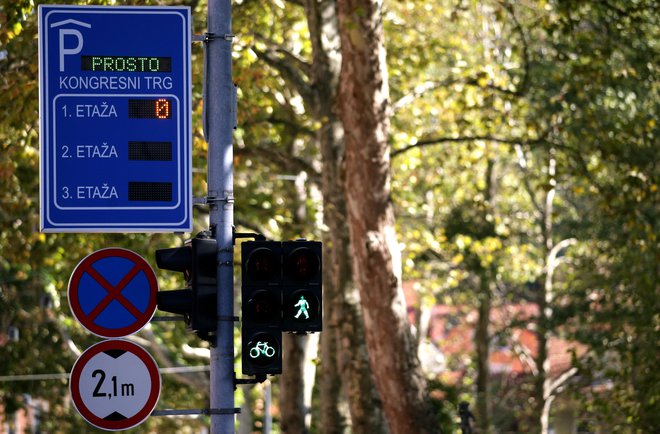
pixel 115 385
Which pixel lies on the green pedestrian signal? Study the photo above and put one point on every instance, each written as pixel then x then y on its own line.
pixel 302 283
pixel 303 305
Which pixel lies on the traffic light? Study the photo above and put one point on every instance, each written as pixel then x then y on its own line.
pixel 262 304
pixel 302 286
pixel 204 318
pixel 281 289
pixel 197 260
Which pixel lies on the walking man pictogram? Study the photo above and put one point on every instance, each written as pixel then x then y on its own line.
pixel 302 306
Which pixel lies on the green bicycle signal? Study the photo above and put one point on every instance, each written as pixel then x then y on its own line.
pixel 262 348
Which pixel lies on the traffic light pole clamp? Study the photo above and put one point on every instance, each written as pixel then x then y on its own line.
pixel 254 236
pixel 258 378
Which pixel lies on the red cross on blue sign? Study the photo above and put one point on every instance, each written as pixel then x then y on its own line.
pixel 112 292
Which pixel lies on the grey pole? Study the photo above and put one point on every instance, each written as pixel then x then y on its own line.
pixel 219 108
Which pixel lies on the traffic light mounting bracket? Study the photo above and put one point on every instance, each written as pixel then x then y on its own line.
pixel 258 378
pixel 254 236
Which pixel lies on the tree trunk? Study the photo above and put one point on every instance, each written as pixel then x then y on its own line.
pixel 329 138
pixel 292 385
pixel 485 297
pixel 544 300
pixel 364 111
pixel 482 343
pixel 344 356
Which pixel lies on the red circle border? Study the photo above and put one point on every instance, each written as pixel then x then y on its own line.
pixel 87 263
pixel 115 344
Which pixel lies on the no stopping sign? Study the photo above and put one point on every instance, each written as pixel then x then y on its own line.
pixel 112 292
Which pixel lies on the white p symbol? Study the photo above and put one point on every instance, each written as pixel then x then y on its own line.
pixel 69 51
pixel 70 32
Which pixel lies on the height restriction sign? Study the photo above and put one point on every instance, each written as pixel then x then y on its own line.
pixel 115 385
pixel 114 107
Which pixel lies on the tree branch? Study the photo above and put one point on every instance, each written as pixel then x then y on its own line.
pixel 485 137
pixel 281 121
pixel 70 344
pixel 422 88
pixel 286 162
pixel 474 79
pixel 524 84
pixel 552 261
pixel 525 356
pixel 559 381
pixel 522 164
pixel 198 382
pixel 293 69
pixel 628 12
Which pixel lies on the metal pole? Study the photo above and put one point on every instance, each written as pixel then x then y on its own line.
pixel 220 122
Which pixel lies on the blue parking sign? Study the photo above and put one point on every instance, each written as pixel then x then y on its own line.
pixel 115 119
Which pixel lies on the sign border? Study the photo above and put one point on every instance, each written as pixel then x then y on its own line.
pixel 118 208
pixel 74 287
pixel 137 418
pixel 83 225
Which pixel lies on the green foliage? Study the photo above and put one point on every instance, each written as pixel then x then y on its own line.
pixel 520 83
pixel 602 54
pixel 445 399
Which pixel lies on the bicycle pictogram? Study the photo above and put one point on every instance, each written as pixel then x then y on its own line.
pixel 262 348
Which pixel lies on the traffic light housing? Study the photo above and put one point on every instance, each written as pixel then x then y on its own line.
pixel 261 336
pixel 197 260
pixel 178 301
pixel 204 318
pixel 302 286
pixel 282 291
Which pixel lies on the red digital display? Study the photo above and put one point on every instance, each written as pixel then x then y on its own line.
pixel 158 108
